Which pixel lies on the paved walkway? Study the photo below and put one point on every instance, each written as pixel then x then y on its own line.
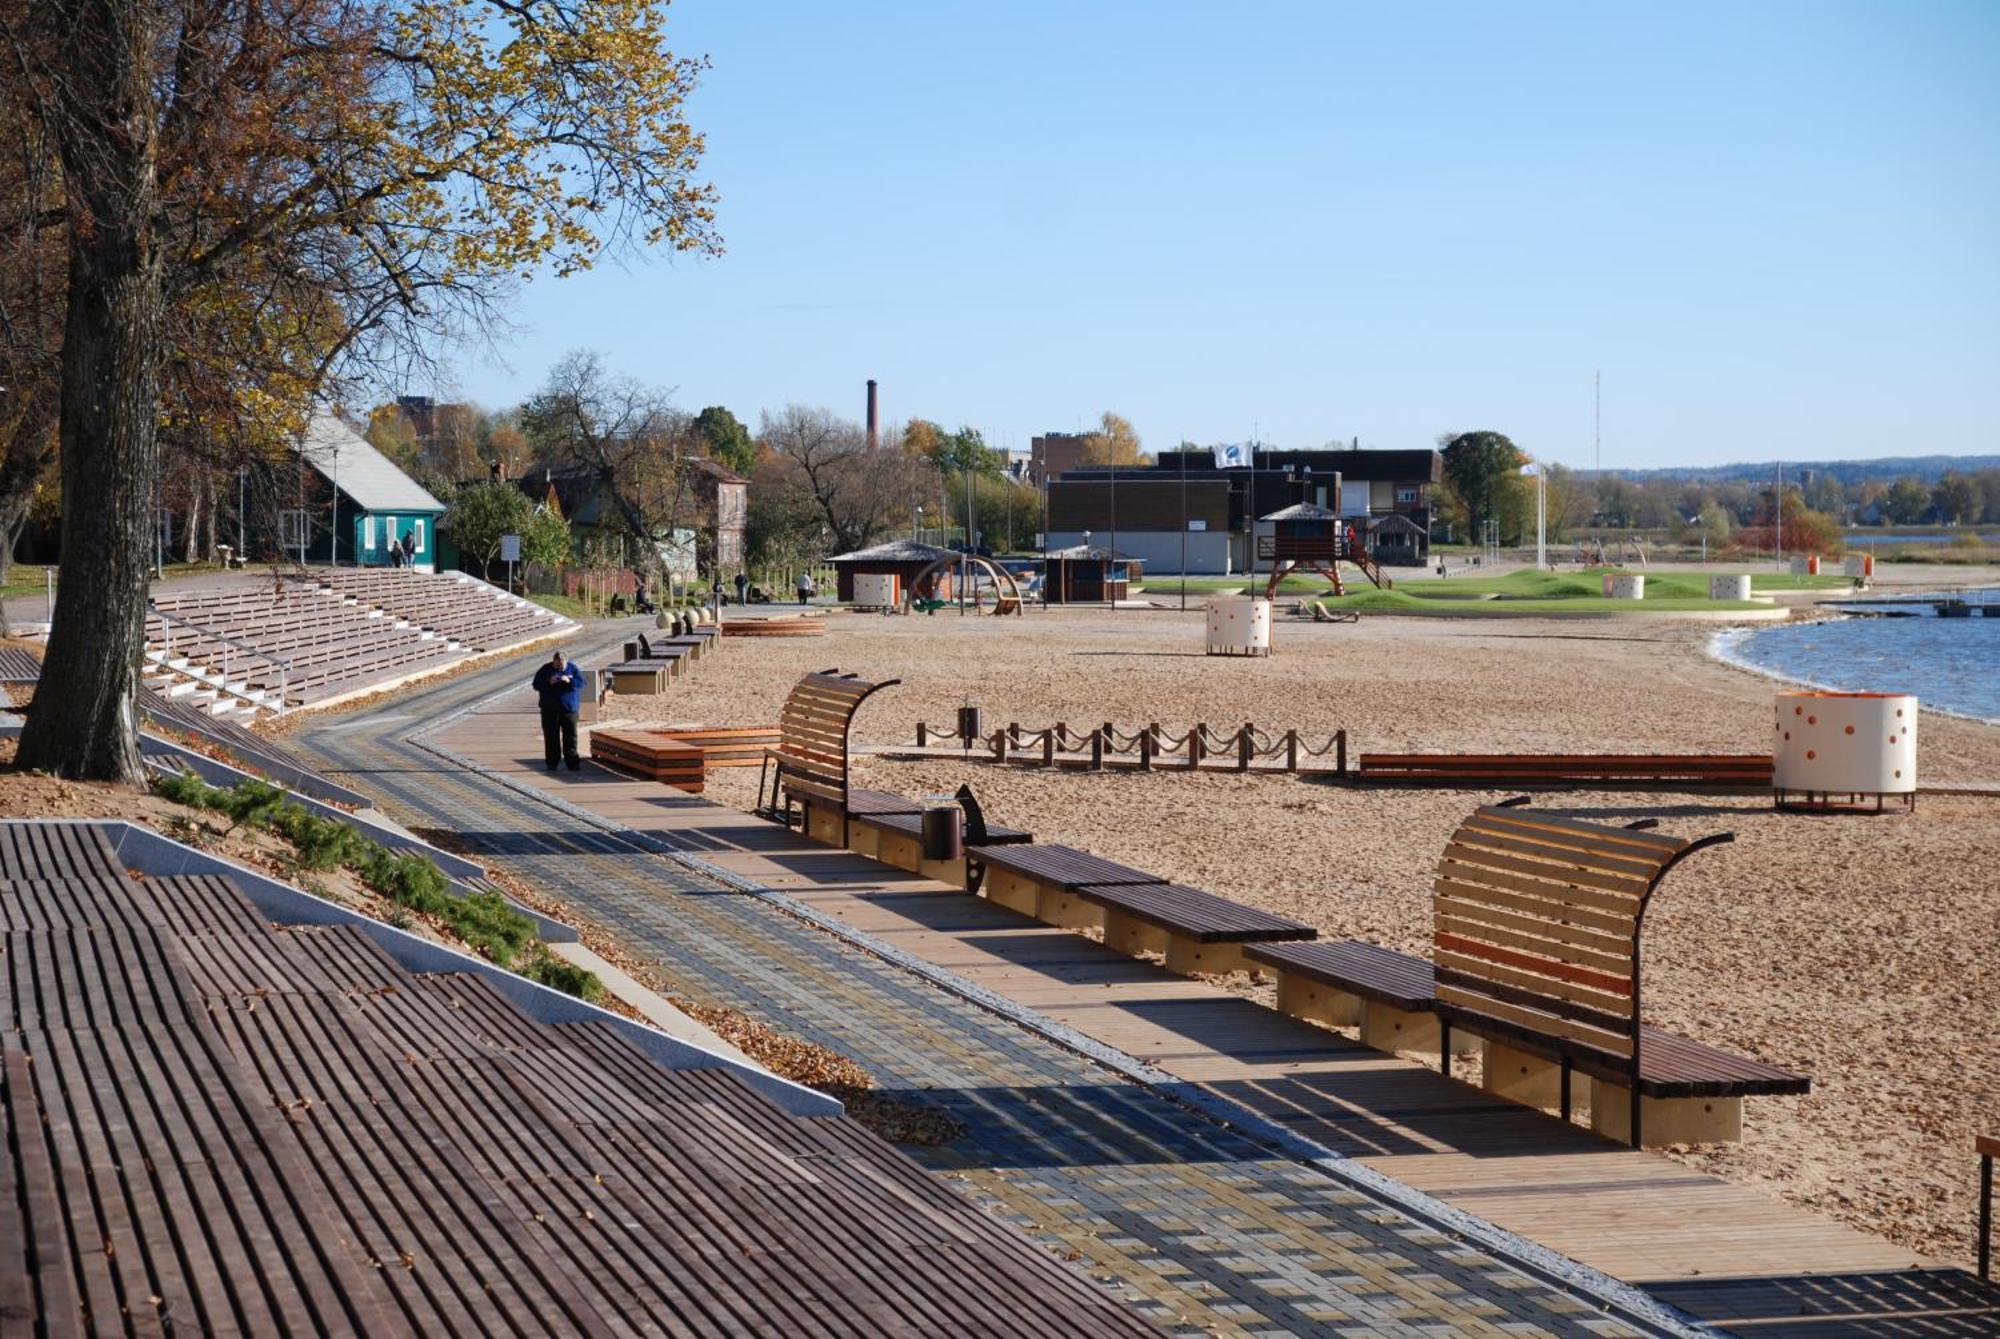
pixel 1202 1228
pixel 1717 1250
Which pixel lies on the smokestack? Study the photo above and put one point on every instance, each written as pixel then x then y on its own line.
pixel 874 424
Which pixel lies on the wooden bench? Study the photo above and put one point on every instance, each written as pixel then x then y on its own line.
pixel 1391 997
pixel 774 627
pixel 726 746
pixel 1687 771
pixel 643 753
pixel 887 827
pixel 1536 945
pixel 1138 912
pixel 807 771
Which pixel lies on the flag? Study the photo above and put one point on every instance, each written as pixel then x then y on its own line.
pixel 1232 457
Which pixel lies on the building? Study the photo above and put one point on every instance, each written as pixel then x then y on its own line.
pixel 354 502
pixel 1088 574
pixel 1184 504
pixel 1055 453
pixel 707 538
pixel 904 559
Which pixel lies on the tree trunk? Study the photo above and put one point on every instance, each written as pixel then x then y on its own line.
pixel 191 550
pixel 83 724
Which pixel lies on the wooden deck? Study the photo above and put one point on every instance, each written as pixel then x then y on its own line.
pixel 1715 1249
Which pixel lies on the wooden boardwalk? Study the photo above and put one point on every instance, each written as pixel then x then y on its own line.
pixel 1715 1249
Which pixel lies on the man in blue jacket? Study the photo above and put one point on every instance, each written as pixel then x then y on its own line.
pixel 559 684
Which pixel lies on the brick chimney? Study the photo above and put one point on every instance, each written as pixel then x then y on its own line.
pixel 874 424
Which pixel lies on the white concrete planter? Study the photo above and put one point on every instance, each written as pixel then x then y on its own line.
pixel 1729 588
pixel 1239 625
pixel 1838 749
pixel 1624 586
pixel 1805 565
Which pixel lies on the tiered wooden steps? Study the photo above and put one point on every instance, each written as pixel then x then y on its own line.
pixel 644 753
pixel 723 746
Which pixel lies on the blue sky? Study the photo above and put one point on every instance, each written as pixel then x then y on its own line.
pixel 1774 227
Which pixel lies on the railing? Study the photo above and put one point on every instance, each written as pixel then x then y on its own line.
pixel 228 644
pixel 1151 747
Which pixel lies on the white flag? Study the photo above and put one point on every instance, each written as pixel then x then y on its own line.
pixel 1232 457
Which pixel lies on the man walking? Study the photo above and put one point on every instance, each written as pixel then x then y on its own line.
pixel 805 587
pixel 742 588
pixel 559 685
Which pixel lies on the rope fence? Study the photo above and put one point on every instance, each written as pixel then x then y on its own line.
pixel 1152 746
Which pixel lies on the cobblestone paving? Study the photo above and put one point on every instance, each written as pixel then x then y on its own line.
pixel 1196 1227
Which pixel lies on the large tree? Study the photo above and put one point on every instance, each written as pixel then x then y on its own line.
pixel 858 495
pixel 726 438
pixel 397 163
pixel 1485 470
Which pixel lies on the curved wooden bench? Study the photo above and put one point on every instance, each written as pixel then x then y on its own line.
pixel 1536 949
pixel 809 767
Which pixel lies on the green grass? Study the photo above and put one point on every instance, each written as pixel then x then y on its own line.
pixel 1399 601
pixel 1523 591
pixel 564 605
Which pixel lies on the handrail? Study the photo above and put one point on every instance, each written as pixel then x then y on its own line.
pixel 284 665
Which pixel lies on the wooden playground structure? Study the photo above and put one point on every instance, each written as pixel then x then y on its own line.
pixel 1315 539
pixel 1007 597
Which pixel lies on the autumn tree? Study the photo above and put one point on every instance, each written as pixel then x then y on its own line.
pixel 625 436
pixel 479 517
pixel 396 164
pixel 1113 442
pixel 822 466
pixel 1906 502
pixel 1958 500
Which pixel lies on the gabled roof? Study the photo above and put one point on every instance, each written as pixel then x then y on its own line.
pixel 367 476
pixel 895 551
pixel 1395 520
pixel 1302 511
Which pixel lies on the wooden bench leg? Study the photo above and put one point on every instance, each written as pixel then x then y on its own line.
pixel 1188 956
pixel 1132 936
pixel 1012 891
pixel 864 840
pixel 1302 997
pixel 904 852
pixel 1062 908
pixel 944 871
pixel 1387 1028
pixel 1665 1120
pixel 1528 1079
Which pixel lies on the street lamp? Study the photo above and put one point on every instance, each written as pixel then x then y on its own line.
pixel 1541 473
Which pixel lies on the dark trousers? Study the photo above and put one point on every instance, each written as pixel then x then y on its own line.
pixel 559 736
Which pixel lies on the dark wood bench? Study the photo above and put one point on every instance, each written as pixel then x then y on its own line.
pixel 1987 1146
pixel 807 771
pixel 1698 771
pixel 644 754
pixel 1391 997
pixel 1138 912
pixel 890 828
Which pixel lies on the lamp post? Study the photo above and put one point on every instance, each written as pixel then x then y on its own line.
pixel 1541 473
pixel 333 530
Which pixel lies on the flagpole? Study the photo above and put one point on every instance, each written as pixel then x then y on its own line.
pixel 1184 523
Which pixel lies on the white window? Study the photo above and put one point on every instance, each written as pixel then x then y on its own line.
pixel 1406 495
pixel 368 533
pixel 417 529
pixel 294 530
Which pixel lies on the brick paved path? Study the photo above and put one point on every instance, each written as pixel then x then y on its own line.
pixel 1200 1228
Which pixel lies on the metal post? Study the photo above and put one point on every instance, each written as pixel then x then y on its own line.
pixel 333 530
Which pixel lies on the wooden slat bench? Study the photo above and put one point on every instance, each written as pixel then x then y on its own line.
pixel 890 828
pixel 1702 771
pixel 644 753
pixel 1391 997
pixel 1536 945
pixel 1138 912
pixel 808 772
pixel 774 627
pixel 726 746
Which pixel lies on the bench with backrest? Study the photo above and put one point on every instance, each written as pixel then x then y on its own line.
pixel 1138 912
pixel 807 771
pixel 889 828
pixel 1536 950
pixel 1705 771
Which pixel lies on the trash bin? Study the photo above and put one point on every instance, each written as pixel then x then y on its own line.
pixel 944 833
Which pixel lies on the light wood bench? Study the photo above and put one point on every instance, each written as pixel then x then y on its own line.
pixel 1697 771
pixel 807 771
pixel 643 753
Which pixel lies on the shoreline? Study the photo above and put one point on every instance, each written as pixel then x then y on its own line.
pixel 1722 648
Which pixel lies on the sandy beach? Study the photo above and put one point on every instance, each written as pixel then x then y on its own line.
pixel 1858 950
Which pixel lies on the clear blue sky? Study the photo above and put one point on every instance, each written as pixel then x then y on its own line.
pixel 1774 227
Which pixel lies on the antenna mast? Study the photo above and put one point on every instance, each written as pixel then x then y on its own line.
pixel 1597 422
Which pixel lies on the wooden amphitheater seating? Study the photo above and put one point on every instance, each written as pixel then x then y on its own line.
pixel 643 753
pixel 1138 912
pixel 1687 771
pixel 808 772
pixel 1536 950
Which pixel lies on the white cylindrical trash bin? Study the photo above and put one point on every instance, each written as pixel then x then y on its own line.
pixel 1624 586
pixel 1840 750
pixel 1239 625
pixel 1729 588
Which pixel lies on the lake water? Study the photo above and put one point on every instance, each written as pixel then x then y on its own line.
pixel 1868 539
pixel 1951 664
